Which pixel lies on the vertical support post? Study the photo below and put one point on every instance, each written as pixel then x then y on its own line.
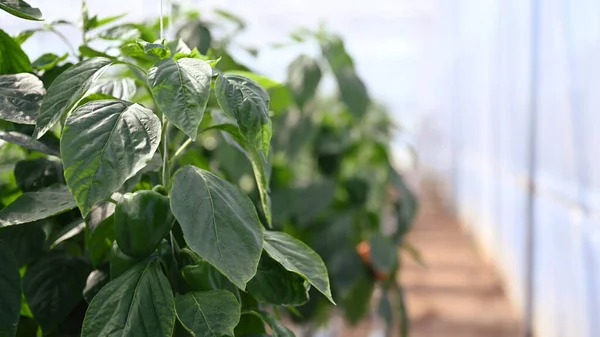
pixel 529 312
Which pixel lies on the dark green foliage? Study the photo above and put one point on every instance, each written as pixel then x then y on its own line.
pixel 129 210
pixel 13 59
pixel 10 295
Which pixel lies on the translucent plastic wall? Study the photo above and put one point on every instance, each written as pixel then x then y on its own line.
pixel 516 119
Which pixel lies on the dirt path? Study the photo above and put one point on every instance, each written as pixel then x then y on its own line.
pixel 457 295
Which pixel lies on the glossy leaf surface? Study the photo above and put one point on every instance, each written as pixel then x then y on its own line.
pixel 13 59
pixel 181 89
pixel 274 284
pixel 247 102
pixel 68 88
pixel 38 205
pixel 212 313
pixel 297 257
pixel 26 142
pixel 54 286
pixel 20 97
pixel 120 139
pixel 138 303
pixel 21 9
pixel 219 223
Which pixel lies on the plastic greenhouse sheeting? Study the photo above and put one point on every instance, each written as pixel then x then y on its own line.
pixel 517 104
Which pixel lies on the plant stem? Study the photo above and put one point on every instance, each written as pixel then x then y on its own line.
pixel 83 29
pixel 181 148
pixel 165 151
pixel 162 25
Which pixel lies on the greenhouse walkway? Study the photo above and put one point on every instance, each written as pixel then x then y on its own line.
pixel 456 294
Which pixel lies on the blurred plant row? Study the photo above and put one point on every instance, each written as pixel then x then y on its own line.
pixel 328 179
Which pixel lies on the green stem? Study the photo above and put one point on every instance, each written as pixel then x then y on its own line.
pixel 181 148
pixel 83 30
pixel 165 151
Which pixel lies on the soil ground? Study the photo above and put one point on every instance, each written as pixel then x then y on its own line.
pixel 456 294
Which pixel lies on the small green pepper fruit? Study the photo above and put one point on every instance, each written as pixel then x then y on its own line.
pixel 119 262
pixel 142 219
pixel 204 277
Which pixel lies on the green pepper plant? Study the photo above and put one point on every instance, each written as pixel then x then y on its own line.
pixel 104 229
pixel 333 183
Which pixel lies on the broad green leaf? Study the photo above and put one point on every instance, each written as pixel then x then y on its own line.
pixel 138 303
pixel 406 205
pixel 26 142
pixel 68 88
pixel 20 97
pixel 48 61
pixel 94 22
pixel 297 257
pixel 120 88
pixel 27 326
pixel 273 284
pixel 13 59
pixel 24 35
pixel 124 32
pixel 277 327
pixel 27 242
pixel 249 323
pixel 10 292
pixel 93 97
pixel 404 318
pixel 181 89
pixel 212 313
pixel 33 206
pixel 352 90
pixel 53 287
pixel 90 52
pixel 21 9
pixel 120 137
pixel 64 233
pixel 178 47
pixel 100 241
pixel 304 75
pixel 280 96
pixel 196 35
pixel 247 102
pixel 312 200
pixel 156 49
pixel 95 281
pixel 219 223
pixel 260 166
pixel 385 311
pixel 251 326
pixel 357 300
pixel 49 76
pixel 136 52
pixel 281 99
pixel 34 174
pixel 384 254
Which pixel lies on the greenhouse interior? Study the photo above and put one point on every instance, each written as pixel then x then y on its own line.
pixel 253 168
